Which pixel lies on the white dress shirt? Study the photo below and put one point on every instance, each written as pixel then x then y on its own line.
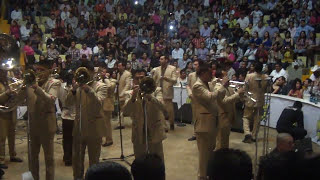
pixel 276 74
pixel 177 54
pixel 16 15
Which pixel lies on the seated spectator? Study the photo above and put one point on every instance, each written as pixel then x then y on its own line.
pixel 313 47
pixel 256 39
pixel 205 30
pixel 275 55
pixel 182 79
pixel 307 84
pixel 148 167
pixel 278 72
pixel 285 143
pixel 107 170
pixel 251 53
pixel 303 27
pixel 202 52
pixel 262 54
pixel 237 52
pixel 229 54
pixel 177 52
pixel 111 29
pixel 288 40
pixel 291 121
pixel 29 53
pixel 259 29
pixel 52 53
pixel 50 23
pixel 225 159
pixel 183 62
pixel 15 30
pixel 81 33
pixel 16 14
pixel 272 29
pixel 25 31
pixel 144 62
pixel 86 50
pixel 73 51
pixel 244 41
pixel 278 85
pixel 296 89
pixel 221 43
pixel 294 71
pixel 267 40
pixel 189 68
pixel 277 39
pixel 301 43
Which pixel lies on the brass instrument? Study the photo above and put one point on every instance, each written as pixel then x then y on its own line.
pixel 147 85
pixel 29 78
pixel 82 76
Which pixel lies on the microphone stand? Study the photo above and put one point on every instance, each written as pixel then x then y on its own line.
pixel 145 118
pixel 122 157
pixel 28 131
pixel 181 124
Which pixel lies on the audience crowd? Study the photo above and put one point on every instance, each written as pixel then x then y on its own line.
pixel 231 34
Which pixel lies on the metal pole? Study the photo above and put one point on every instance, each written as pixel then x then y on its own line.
pixel 28 131
pixel 145 123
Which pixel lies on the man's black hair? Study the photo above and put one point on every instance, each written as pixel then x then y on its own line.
pixel 224 161
pixel 258 67
pixel 139 70
pixel 148 167
pixel 203 67
pixel 124 63
pixel 108 170
pixel 297 104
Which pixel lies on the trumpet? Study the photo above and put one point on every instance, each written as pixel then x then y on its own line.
pixel 147 85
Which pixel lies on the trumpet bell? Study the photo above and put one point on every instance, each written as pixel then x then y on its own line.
pixel 82 75
pixel 147 85
pixel 29 77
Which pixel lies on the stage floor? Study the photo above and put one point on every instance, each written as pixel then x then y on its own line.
pixel 181 156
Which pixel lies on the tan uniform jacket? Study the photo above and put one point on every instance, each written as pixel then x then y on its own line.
pixel 155 108
pixel 167 85
pixel 205 100
pixel 67 112
pixel 41 107
pixel 192 78
pixel 108 102
pixel 256 84
pixel 5 116
pixel 226 104
pixel 92 116
pixel 124 84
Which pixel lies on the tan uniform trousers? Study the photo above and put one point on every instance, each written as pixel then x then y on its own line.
pixel 47 144
pixel 78 153
pixel 252 115
pixel 224 129
pixel 107 118
pixel 7 131
pixel 154 148
pixel 193 117
pixel 169 108
pixel 206 142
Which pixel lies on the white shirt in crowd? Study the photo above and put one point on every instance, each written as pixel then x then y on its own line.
pixel 256 16
pixel 177 15
pixel 251 54
pixel 16 15
pixel 180 81
pixel 64 15
pixel 51 23
pixel 177 54
pixel 24 32
pixel 243 22
pixel 276 74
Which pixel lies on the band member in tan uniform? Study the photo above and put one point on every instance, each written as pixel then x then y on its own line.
pixel 124 84
pixel 192 78
pixel 41 97
pixel 155 111
pixel 7 123
pixel 227 110
pixel 256 84
pixel 68 114
pixel 165 77
pixel 108 105
pixel 88 99
pixel 205 99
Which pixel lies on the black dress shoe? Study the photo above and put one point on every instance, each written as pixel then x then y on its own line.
pixel 3 166
pixel 16 159
pixel 107 144
pixel 192 138
pixel 119 127
pixel 166 130
pixel 171 127
pixel 247 139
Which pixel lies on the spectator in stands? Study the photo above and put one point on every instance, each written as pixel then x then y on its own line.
pixel 202 52
pixel 271 29
pixel 225 159
pixel 73 51
pixel 278 72
pixel 244 41
pixel 25 31
pixel 303 27
pixel 86 50
pixel 107 170
pixel 256 39
pixel 205 30
pixel 313 47
pixel 81 33
pixel 278 85
pixel 259 29
pixel 291 121
pixel 267 40
pixel 148 167
pixel 29 53
pixel 296 89
pixel 274 55
pixel 52 53
pixel 72 20
pixel 251 53
pixel 182 63
pixel 177 52
pixel 16 14
pixel 262 54
pixel 144 62
pixel 15 30
pixel 301 43
pixel 50 23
